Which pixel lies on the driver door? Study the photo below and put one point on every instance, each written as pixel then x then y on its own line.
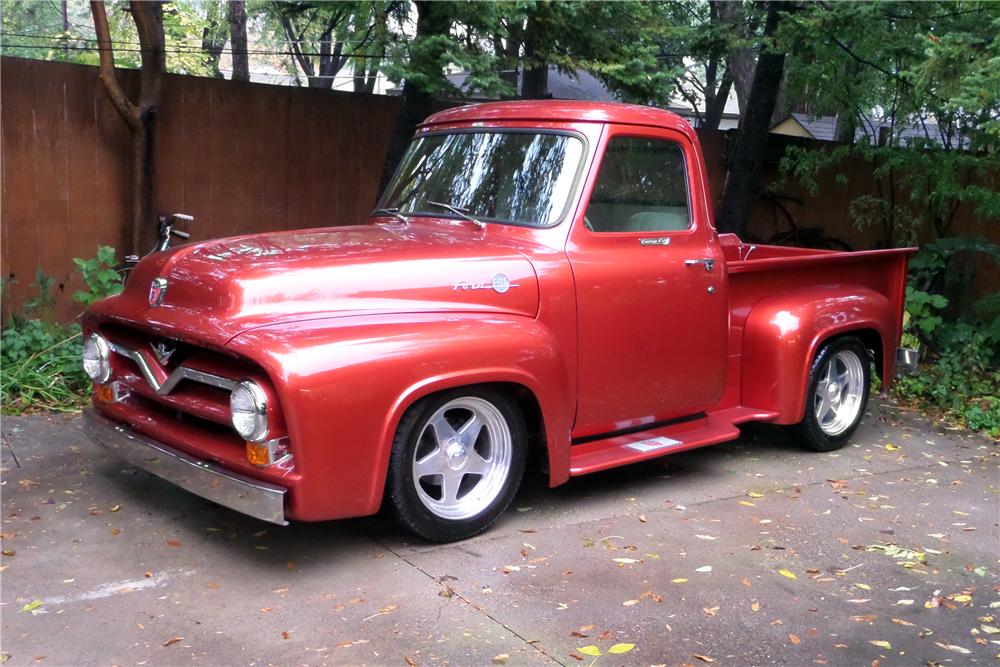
pixel 652 302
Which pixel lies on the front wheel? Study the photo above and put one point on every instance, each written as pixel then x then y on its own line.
pixel 839 382
pixel 456 463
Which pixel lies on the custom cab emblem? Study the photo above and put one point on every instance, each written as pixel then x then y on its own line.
pixel 163 351
pixel 499 283
pixel 157 290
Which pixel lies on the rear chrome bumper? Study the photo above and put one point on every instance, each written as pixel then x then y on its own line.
pixel 243 494
pixel 906 359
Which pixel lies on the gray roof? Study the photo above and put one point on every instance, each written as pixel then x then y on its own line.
pixel 823 128
pixel 580 85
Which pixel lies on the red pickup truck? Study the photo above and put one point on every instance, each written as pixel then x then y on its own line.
pixel 542 282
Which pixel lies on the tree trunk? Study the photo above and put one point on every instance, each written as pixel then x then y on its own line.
pixel 238 39
pixel 140 117
pixel 739 62
pixel 748 154
pixel 713 114
pixel 416 103
pixel 535 84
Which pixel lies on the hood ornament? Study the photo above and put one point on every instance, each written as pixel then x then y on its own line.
pixel 163 351
pixel 157 290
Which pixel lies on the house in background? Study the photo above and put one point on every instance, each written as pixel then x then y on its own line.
pixel 582 85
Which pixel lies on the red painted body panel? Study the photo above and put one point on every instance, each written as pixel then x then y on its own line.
pixel 346 327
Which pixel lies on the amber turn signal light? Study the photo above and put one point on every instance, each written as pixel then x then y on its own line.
pixel 269 452
pixel 258 453
pixel 105 392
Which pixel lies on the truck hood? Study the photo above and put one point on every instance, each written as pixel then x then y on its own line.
pixel 219 289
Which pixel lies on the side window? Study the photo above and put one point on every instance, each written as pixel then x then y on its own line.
pixel 641 187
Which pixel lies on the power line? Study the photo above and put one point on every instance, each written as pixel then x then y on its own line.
pixel 168 48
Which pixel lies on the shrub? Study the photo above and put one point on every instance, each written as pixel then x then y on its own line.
pixel 40 360
pixel 959 374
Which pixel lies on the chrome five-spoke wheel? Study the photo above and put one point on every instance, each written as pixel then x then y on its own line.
pixel 462 458
pixel 456 462
pixel 837 400
pixel 839 381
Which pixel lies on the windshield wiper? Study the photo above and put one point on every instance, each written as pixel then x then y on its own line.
pixel 458 211
pixel 394 212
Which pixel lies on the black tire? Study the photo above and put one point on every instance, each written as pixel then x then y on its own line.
pixel 826 436
pixel 411 505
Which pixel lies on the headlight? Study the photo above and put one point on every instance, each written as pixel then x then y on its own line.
pixel 248 405
pixel 97 358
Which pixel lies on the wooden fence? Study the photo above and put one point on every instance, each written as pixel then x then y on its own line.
pixel 239 157
pixel 245 157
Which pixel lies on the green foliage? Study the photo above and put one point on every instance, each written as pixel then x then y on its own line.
pixel 959 373
pixel 919 83
pixel 100 276
pixel 40 360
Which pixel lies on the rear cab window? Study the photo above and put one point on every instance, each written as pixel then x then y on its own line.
pixel 641 187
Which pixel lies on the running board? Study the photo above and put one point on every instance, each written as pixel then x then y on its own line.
pixel 625 449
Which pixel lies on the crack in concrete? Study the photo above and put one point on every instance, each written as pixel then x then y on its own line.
pixel 453 593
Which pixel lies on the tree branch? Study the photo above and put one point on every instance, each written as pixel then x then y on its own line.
pixel 108 76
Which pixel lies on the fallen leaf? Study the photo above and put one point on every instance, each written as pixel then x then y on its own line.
pixel 899 621
pixel 621 648
pixel 786 573
pixel 703 658
pixel 704 568
pixel 711 611
pixel 953 647
pixel 794 638
pixel 642 518
pixel 625 561
pixel 989 629
pixel 754 494
pixel 629 603
pixel 32 607
pixel 864 587
pixel 706 537
pixel 679 580
pixel 285 634
pixel 115 508
pixel 755 606
pixel 881 644
pixel 501 658
pixel 174 543
pixel 591 650
pixel 863 618
pixel 893 448
pixel 172 641
pixel 747 503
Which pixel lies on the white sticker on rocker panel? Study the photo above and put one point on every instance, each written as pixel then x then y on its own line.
pixel 653 444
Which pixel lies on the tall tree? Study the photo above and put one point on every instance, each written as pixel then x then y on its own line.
pixel 140 116
pixel 238 39
pixel 213 38
pixel 423 76
pixel 748 154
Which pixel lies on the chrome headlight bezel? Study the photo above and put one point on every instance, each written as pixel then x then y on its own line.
pixel 248 411
pixel 96 358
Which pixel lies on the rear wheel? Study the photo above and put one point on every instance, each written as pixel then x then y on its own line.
pixel 456 463
pixel 839 382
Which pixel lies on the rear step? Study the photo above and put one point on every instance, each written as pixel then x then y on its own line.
pixel 624 449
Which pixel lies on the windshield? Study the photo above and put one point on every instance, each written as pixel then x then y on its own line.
pixel 515 177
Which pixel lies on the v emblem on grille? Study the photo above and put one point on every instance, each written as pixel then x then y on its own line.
pixel 163 352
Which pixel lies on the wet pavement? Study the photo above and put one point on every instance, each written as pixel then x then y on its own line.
pixel 748 553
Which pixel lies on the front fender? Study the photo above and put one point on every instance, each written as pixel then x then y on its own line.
pixel 345 383
pixel 783 333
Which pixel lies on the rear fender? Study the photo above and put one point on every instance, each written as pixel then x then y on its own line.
pixel 783 334
pixel 346 384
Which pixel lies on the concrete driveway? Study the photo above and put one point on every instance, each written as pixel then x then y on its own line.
pixel 747 553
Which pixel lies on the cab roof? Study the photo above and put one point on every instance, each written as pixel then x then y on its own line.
pixel 561 110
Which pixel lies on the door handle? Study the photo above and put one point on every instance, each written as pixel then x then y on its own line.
pixel 707 262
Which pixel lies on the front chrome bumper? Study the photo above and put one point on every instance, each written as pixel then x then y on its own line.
pixel 243 494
